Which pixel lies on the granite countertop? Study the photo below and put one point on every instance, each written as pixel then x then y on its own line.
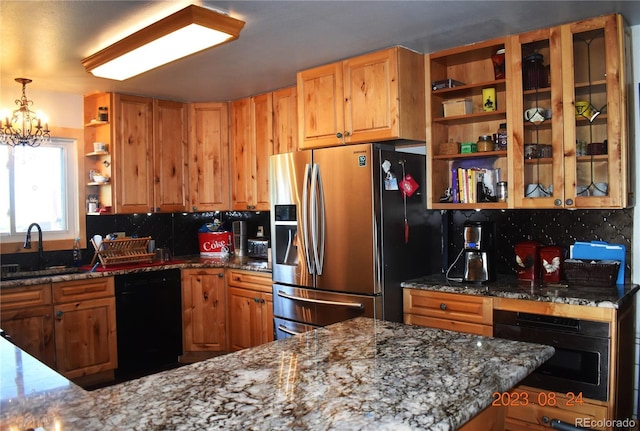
pixel 361 374
pixel 179 262
pixel 510 287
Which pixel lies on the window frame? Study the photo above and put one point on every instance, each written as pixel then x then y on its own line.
pixel 11 245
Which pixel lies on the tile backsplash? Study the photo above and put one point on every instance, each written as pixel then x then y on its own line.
pixel 178 231
pixel 548 227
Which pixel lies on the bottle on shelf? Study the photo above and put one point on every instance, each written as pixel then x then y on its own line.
pixel 77 253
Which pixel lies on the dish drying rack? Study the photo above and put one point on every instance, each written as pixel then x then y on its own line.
pixel 122 250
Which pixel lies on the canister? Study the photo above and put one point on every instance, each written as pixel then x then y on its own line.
pixel 489 99
pixel 528 260
pixel 551 260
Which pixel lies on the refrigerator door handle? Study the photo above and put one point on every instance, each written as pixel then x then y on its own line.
pixel 358 305
pixel 305 217
pixel 286 330
pixel 317 218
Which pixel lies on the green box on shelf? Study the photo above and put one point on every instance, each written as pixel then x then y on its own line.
pixel 468 147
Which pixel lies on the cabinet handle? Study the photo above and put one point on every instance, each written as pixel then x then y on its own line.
pixel 569 201
pixel 262 301
pixel 59 314
pixel 443 306
pixel 545 419
pixel 557 202
pixel 347 134
pixel 338 135
pixel 256 300
pixel 220 274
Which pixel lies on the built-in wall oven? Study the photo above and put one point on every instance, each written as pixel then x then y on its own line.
pixel 581 360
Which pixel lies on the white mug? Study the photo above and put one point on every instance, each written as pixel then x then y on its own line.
pixel 533 191
pixel 582 191
pixel 600 189
pixel 535 115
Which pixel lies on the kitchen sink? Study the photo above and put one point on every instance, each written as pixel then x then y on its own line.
pixel 48 272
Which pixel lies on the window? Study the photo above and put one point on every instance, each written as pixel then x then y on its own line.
pixel 39 185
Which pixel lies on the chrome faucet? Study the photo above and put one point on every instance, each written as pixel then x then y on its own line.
pixel 27 243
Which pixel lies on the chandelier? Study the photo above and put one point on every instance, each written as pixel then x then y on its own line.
pixel 24 127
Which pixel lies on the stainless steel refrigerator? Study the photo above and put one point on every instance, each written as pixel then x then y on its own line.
pixel 344 236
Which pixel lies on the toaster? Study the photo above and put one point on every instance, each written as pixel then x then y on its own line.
pixel 257 247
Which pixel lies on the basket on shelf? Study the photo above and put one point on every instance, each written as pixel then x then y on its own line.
pixel 122 250
pixel 448 148
pixel 591 272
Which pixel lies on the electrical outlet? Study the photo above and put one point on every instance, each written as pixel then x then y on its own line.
pixel 260 233
pixel 120 234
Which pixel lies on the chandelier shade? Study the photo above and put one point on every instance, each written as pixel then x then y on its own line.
pixel 183 33
pixel 24 126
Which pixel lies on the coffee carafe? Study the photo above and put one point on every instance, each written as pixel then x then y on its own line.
pixel 479 254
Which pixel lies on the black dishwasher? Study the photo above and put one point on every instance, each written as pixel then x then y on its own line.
pixel 149 322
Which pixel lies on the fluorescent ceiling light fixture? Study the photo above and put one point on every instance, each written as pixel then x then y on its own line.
pixel 183 33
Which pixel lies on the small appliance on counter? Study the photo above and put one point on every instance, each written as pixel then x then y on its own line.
pixel 479 259
pixel 528 260
pixel 257 248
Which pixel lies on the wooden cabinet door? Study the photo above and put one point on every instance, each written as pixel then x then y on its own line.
pixel 266 318
pixel 285 120
pixel 250 309
pixel 31 329
pixel 85 337
pixel 26 316
pixel 170 156
pixel 262 148
pixel 371 96
pixel 320 106
pixel 596 61
pixel 209 156
pixel 251 146
pixel 203 311
pixel 133 158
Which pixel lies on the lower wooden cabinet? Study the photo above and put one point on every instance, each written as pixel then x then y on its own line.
pixel 250 309
pixel 452 311
pixel 85 327
pixel 27 319
pixel 203 313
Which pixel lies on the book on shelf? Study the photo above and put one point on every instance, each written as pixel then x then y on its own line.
pixel 474 185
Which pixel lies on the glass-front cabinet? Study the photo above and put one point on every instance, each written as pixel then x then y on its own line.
pixel 570 122
pixel 595 76
pixel 538 120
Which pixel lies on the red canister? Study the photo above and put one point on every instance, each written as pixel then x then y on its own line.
pixel 528 260
pixel 551 259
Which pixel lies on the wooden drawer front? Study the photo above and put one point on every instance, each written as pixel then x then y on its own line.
pixel 451 325
pixel 249 280
pixel 27 296
pixel 451 306
pixel 79 290
pixel 540 407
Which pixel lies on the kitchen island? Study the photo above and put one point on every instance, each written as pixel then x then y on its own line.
pixel 354 375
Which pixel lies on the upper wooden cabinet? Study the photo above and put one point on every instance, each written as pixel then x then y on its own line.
pixel 147 154
pixel 285 120
pixel 576 156
pixel 98 129
pixel 373 97
pixel 556 156
pixel 464 120
pixel 251 146
pixel 209 156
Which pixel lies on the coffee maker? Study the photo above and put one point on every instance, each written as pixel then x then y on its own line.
pixel 479 252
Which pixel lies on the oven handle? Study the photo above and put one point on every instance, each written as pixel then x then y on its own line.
pixel 321 301
pixel 287 330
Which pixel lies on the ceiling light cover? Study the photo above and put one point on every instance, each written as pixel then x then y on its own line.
pixel 183 33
